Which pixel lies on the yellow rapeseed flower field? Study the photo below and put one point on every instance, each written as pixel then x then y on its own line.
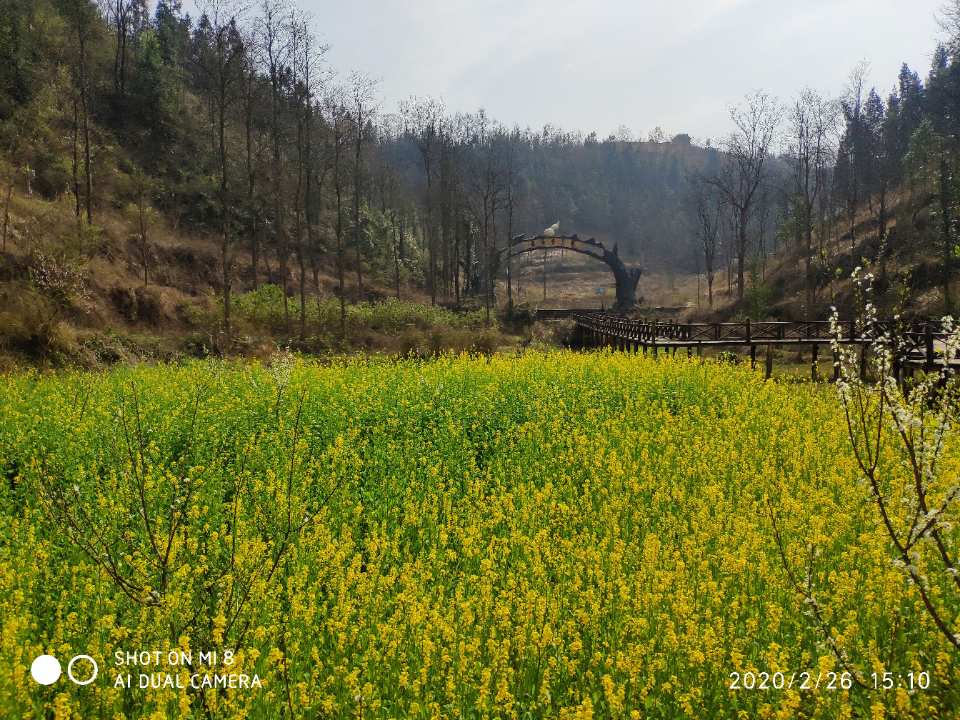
pixel 557 535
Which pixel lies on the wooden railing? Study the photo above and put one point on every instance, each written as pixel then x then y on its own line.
pixel 918 342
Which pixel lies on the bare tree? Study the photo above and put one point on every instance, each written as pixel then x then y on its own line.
pixel 142 184
pixel 423 119
pixel 306 55
pixel 389 189
pixel 709 215
pixel 6 211
pixel 852 156
pixel 81 15
pixel 273 44
pixel 510 203
pixel 219 62
pixel 250 98
pixel 362 105
pixel 812 125
pixel 485 195
pixel 339 120
pixel 744 166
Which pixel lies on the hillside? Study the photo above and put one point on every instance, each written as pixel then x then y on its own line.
pixel 908 269
pixel 192 185
pixel 83 300
pixel 159 168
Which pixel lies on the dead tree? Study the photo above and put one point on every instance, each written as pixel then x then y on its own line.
pixel 423 118
pixel 219 62
pixel 812 125
pixel 744 166
pixel 362 94
pixel 709 214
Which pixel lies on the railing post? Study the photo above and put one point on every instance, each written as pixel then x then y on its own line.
pixel 928 361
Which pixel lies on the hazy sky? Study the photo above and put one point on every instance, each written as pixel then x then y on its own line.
pixel 594 65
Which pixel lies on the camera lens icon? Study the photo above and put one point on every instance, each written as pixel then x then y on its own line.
pixel 46 670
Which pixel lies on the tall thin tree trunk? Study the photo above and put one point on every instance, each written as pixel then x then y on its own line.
pixel 356 200
pixel 88 170
pixel 741 252
pixel 300 218
pixel 456 264
pixel 946 223
pixel 338 191
pixel 76 158
pixel 340 262
pixel 251 184
pixel 282 248
pixel 143 232
pixel 6 213
pixel 396 260
pixel 225 210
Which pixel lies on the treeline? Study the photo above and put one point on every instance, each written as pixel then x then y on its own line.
pixel 232 124
pixel 854 173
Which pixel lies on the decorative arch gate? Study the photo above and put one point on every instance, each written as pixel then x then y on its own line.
pixel 627 277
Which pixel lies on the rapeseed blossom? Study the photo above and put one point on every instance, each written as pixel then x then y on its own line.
pixel 557 535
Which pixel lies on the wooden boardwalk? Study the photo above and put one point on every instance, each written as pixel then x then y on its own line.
pixel 921 343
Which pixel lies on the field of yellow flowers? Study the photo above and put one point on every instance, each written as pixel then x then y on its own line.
pixel 557 535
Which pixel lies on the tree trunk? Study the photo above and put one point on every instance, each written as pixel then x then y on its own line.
pixel 340 270
pixel 338 190
pixel 882 229
pixel 143 234
pixel 356 201
pixel 225 210
pixel 396 260
pixel 282 248
pixel 808 240
pixel 76 158
pixel 251 185
pixel 741 251
pixel 945 231
pixel 300 219
pixel 88 170
pixel 6 214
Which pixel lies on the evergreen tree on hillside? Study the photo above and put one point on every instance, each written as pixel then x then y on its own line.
pixel 873 163
pixel 173 31
pixel 911 102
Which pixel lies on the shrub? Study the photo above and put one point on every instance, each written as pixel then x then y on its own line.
pixel 262 309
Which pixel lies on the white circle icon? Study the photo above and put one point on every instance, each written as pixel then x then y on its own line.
pixel 45 669
pixel 93 675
